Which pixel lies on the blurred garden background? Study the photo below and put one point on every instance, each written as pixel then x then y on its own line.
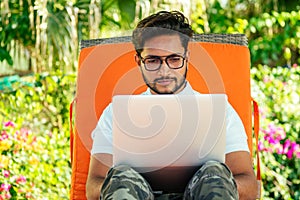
pixel 39 55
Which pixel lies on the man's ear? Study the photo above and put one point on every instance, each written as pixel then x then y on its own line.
pixel 137 59
pixel 187 55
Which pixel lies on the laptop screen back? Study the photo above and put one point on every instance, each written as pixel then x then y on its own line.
pixel 151 132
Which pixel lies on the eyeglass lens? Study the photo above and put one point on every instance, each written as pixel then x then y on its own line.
pixel 154 63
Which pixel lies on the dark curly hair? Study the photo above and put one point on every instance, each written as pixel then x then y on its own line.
pixel 162 23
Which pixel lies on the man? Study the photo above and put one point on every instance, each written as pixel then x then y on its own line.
pixel 161 42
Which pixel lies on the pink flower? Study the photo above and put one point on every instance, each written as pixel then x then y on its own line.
pixel 279 149
pixel 261 146
pixel 298 154
pixel 4 135
pixel 7 195
pixel 49 133
pixel 21 179
pixel 5 187
pixel 6 173
pixel 28 195
pixel 9 124
pixel 266 79
pixel 272 129
pixel 284 83
pixel 280 133
pixel 21 191
pixel 269 149
pixel 295 65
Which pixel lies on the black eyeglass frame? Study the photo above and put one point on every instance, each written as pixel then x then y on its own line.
pixel 161 61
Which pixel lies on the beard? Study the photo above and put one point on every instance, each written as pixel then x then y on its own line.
pixel 178 83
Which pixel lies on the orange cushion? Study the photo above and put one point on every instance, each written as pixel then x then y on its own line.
pixel 109 69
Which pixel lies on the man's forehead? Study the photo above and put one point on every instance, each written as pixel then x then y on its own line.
pixel 162 52
pixel 164 42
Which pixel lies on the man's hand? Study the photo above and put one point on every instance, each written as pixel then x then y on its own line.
pixel 99 166
pixel 240 164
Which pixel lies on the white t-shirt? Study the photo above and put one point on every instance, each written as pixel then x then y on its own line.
pixel 236 138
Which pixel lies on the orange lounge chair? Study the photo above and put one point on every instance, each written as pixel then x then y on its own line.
pixel 219 63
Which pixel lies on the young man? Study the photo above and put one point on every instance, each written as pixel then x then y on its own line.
pixel 161 42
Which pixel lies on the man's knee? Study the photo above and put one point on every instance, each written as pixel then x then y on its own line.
pixel 117 173
pixel 123 182
pixel 121 170
pixel 212 181
pixel 215 168
pixel 211 170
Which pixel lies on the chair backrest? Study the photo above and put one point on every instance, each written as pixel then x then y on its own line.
pixel 219 63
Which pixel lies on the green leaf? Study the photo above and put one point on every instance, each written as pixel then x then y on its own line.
pixel 4 55
pixel 127 8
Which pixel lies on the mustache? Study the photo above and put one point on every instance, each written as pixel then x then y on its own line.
pixel 164 78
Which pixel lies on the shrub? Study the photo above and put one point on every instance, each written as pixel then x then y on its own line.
pixel 20 151
pixel 277 90
pixel 34 149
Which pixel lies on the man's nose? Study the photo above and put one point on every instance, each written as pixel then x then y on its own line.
pixel 164 69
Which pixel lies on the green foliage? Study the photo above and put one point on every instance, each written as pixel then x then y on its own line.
pixel 49 31
pixel 277 90
pixel 34 137
pixel 127 10
pixel 14 26
pixel 273 36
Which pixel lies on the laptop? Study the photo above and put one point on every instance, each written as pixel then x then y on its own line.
pixel 166 138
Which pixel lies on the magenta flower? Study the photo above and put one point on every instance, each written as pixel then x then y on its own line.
pixel 5 187
pixel 274 135
pixel 272 141
pixel 6 173
pixel 294 148
pixel 290 154
pixel 9 124
pixel 286 146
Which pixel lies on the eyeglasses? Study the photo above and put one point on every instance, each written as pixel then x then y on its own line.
pixel 153 63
